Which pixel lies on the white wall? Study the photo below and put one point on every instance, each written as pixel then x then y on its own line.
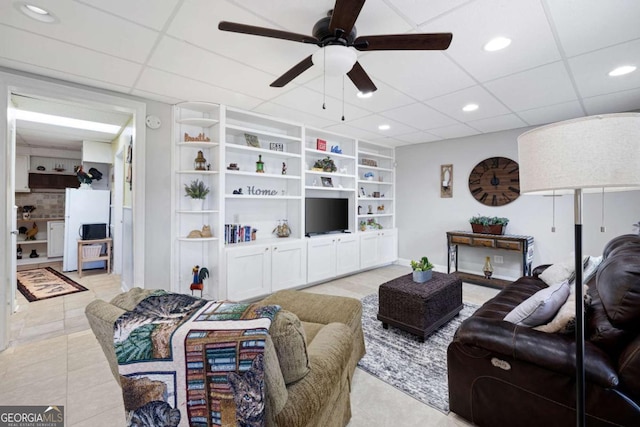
pixel 423 217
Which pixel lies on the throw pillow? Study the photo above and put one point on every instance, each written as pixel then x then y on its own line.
pixel 591 268
pixel 564 321
pixel 540 307
pixel 290 342
pixel 559 272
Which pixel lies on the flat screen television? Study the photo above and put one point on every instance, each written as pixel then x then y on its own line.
pixel 324 216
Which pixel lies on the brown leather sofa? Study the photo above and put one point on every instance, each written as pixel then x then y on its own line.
pixel 501 374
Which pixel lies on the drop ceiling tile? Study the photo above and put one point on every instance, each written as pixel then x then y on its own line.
pixel 352 132
pixel 189 61
pixel 370 123
pixel 454 131
pixel 546 85
pixel 157 97
pixel 495 124
pixel 377 17
pixel 628 100
pixel 388 142
pixel 452 104
pixel 85 26
pixel 308 101
pixel 418 137
pixel 419 74
pixel 291 114
pixel 587 25
pixel 138 11
pixel 552 113
pixel 76 62
pixel 591 70
pixel 417 13
pixel 419 116
pixel 473 25
pixel 384 98
pixel 175 86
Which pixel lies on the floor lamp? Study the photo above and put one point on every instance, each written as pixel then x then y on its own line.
pixel 586 154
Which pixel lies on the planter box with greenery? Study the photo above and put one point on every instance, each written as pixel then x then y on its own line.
pixel 488 224
pixel 422 270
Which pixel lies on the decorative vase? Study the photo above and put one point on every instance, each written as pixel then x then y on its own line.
pixel 488 268
pixel 488 229
pixel 422 276
pixel 197 204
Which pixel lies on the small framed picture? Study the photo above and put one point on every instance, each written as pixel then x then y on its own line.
pixel 276 146
pixel 252 140
pixel 326 181
pixel 321 144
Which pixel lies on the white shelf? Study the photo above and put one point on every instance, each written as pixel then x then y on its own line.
pixel 375 168
pixel 311 187
pixel 199 239
pixel 366 181
pixel 374 215
pixel 42 259
pixel 202 107
pixel 198 144
pixel 197 212
pixel 261 175
pixel 200 122
pixel 372 154
pixel 343 175
pixel 375 198
pixel 31 242
pixel 256 132
pixel 285 154
pixel 260 242
pixel 194 172
pixel 25 221
pixel 328 153
pixel 247 196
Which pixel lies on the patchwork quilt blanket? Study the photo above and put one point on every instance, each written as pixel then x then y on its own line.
pixel 185 361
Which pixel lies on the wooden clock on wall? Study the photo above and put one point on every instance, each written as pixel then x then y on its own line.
pixel 495 181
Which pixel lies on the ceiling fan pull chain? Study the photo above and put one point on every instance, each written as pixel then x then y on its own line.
pixel 324 79
pixel 343 97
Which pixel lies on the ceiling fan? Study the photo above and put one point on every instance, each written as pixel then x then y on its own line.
pixel 335 34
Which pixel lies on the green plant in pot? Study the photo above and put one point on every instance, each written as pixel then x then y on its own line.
pixel 197 191
pixel 422 270
pixel 488 224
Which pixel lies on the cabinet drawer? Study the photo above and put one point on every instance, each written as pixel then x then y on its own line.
pixel 487 243
pixel 461 240
pixel 507 244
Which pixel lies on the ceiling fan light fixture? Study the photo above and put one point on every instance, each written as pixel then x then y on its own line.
pixel 35 12
pixel 340 59
pixel 470 107
pixel 497 43
pixel 621 71
pixel 364 95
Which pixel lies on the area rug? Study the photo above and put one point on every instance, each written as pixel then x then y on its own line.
pixel 401 360
pixel 43 283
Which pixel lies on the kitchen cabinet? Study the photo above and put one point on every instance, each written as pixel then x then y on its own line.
pixel 55 239
pixel 55 181
pixel 22 174
pixel 378 247
pixel 331 256
pixel 48 243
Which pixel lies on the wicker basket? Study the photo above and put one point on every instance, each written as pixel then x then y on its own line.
pixel 91 251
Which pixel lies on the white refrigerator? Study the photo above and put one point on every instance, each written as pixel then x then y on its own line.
pixel 82 207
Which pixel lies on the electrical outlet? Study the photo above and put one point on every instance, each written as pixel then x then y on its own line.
pixel 497 259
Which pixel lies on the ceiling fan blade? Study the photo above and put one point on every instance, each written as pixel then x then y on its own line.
pixel 345 13
pixel 294 72
pixel 265 32
pixel 360 78
pixel 436 41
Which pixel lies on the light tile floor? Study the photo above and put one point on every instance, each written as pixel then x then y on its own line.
pixel 55 359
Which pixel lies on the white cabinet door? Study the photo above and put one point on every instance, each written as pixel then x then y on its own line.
pixel 55 239
pixel 288 265
pixel 387 246
pixel 248 272
pixel 347 254
pixel 321 259
pixel 22 174
pixel 368 249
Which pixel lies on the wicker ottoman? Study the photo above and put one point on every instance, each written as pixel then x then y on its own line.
pixel 419 308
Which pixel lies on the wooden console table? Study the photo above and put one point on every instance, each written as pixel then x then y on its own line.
pixel 105 257
pixel 522 244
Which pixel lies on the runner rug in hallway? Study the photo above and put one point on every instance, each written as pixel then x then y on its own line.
pixel 401 360
pixel 43 283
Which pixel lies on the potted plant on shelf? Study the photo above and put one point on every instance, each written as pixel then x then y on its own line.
pixel 422 270
pixel 488 224
pixel 325 165
pixel 197 191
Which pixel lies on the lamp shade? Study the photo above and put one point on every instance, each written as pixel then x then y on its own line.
pixel 591 152
pixel 340 59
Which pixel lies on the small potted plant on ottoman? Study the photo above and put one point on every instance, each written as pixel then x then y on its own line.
pixel 422 270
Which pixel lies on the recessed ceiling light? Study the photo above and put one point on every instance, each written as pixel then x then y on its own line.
pixel 497 43
pixel 365 94
pixel 384 127
pixel 470 107
pixel 621 71
pixel 35 12
pixel 49 119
